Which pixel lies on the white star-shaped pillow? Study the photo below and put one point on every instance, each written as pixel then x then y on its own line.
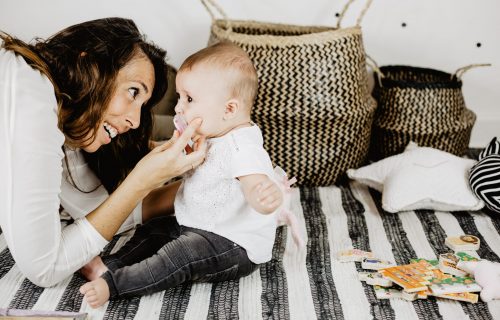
pixel 421 178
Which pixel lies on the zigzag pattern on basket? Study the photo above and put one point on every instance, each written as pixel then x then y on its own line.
pixel 313 104
pixel 421 105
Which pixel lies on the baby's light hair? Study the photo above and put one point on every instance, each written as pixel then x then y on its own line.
pixel 233 60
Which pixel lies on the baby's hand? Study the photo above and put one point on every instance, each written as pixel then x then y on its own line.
pixel 262 193
pixel 269 195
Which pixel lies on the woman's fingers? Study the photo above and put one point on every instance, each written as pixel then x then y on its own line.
pixel 200 142
pixel 181 142
pixel 168 143
pixel 196 137
pixel 165 145
pixel 168 159
pixel 195 158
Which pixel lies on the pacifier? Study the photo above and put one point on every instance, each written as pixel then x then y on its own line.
pixel 181 124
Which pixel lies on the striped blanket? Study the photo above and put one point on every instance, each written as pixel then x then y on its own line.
pixel 298 283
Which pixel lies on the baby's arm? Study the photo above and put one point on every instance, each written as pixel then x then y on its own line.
pixel 262 193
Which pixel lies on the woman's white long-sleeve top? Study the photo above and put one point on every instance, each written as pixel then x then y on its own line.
pixel 32 184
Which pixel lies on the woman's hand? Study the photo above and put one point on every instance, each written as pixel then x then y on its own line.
pixel 168 160
pixel 158 166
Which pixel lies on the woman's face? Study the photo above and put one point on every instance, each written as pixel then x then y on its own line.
pixel 134 86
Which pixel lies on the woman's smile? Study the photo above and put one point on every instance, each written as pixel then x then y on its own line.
pixel 112 131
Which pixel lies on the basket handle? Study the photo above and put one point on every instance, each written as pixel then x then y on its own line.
pixel 361 15
pixel 373 64
pixel 4 35
pixel 211 3
pixel 460 71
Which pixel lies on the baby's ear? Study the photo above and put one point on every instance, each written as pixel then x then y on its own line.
pixel 232 109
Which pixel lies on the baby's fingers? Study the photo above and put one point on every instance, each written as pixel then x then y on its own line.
pixel 270 201
pixel 274 204
pixel 267 188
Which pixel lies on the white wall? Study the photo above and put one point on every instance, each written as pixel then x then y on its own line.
pixel 439 34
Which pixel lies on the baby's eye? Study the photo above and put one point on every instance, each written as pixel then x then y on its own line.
pixel 178 96
pixel 133 92
pixel 189 99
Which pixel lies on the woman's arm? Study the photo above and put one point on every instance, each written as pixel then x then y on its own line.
pixel 47 254
pixel 31 171
pixel 160 165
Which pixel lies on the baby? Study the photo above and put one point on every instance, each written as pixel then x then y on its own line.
pixel 225 209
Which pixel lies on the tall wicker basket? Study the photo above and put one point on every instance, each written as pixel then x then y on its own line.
pixel 313 104
pixel 421 105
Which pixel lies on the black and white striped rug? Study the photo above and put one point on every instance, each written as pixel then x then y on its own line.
pixel 307 283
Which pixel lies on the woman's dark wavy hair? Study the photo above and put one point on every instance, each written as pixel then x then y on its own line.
pixel 83 61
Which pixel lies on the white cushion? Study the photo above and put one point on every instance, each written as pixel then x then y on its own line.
pixel 421 178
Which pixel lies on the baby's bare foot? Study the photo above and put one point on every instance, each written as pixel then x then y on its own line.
pixel 94 269
pixel 96 292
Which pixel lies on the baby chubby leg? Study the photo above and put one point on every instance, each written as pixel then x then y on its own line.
pixel 94 269
pixel 96 292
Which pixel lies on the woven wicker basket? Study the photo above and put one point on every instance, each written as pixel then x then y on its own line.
pixel 313 104
pixel 421 105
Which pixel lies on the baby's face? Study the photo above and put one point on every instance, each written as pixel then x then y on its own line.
pixel 202 93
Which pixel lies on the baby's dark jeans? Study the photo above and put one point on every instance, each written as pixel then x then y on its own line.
pixel 161 254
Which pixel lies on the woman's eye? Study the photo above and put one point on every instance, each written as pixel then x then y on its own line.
pixel 189 99
pixel 133 92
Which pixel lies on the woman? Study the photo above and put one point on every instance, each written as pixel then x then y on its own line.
pixel 82 96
